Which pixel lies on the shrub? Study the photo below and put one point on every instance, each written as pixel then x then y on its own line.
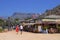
pixel 1 30
pixel 58 29
pixel 46 27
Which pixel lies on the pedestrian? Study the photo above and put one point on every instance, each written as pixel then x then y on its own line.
pixel 40 28
pixel 47 31
pixel 21 28
pixel 17 29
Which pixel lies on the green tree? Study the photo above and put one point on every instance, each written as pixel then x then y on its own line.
pixel 16 21
pixel 1 22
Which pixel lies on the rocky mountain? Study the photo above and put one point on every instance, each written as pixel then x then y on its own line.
pixel 23 16
pixel 54 11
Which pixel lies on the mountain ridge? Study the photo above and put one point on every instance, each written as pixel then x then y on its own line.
pixel 23 16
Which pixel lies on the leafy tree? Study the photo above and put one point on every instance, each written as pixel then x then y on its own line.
pixel 27 18
pixel 1 22
pixel 16 21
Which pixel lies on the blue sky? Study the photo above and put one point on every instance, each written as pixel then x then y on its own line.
pixel 8 7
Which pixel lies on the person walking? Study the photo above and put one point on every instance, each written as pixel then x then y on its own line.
pixel 17 29
pixel 21 28
pixel 47 31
